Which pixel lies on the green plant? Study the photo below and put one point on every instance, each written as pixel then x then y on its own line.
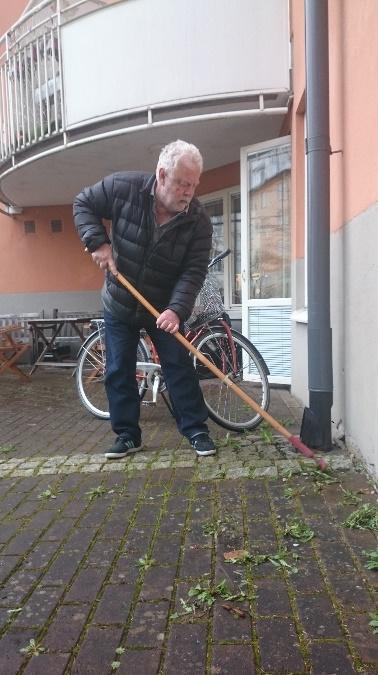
pixel 115 665
pixel 120 650
pixel 266 433
pixel 49 494
pixel 372 559
pixel 98 491
pixel 290 493
pixel 277 560
pixel 218 526
pixel 7 447
pixel 228 442
pixel 374 621
pixel 364 518
pixel 146 562
pixel 33 648
pixel 350 497
pixel 299 530
pixel 205 595
pixel 322 478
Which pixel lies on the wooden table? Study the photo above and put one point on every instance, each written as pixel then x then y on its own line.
pixel 11 350
pixel 48 332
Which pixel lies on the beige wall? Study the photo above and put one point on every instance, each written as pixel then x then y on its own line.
pixel 354 104
pixel 10 11
pixel 47 262
pixel 353 51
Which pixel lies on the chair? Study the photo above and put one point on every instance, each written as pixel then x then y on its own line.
pixel 11 349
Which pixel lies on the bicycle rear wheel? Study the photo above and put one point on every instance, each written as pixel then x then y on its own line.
pixel 245 366
pixel 90 374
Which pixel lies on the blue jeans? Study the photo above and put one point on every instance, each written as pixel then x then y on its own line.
pixel 121 387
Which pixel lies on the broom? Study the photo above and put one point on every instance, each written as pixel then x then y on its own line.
pixel 294 440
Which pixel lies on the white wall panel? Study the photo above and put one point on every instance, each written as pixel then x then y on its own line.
pixel 143 52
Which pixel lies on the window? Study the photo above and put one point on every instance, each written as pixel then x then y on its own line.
pixel 56 226
pixel 223 208
pixel 29 226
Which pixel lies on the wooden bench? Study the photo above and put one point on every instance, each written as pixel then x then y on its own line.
pixel 11 349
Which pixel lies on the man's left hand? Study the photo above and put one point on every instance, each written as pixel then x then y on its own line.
pixel 168 321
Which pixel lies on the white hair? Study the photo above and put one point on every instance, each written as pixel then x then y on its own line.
pixel 172 153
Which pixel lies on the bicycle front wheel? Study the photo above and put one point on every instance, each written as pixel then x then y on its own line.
pixel 239 359
pixel 90 375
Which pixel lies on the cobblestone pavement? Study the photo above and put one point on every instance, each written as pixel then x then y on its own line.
pixel 165 563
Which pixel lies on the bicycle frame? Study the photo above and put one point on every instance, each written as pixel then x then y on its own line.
pixel 150 371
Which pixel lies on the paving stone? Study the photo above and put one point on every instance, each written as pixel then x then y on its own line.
pixel 38 607
pixel 114 605
pixel 363 638
pixel 64 631
pixel 196 562
pixel 86 585
pixel 17 587
pixel 261 530
pixel 7 564
pixel 20 543
pixel 97 651
pixel 272 597
pixel 279 646
pixel 309 578
pixel 331 659
pixel 186 650
pixel 196 535
pixel 350 591
pixel 335 556
pixel 166 550
pixel 232 660
pixel 158 583
pixel 58 530
pixel 62 569
pixel 41 555
pixel 126 569
pixel 68 443
pixel 139 539
pixel 172 524
pixel 264 472
pixel 144 661
pixel 102 553
pixel 10 644
pixel 229 626
pixel 148 624
pixel 53 664
pixel 318 616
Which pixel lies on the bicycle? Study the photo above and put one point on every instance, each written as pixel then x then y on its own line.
pixel 209 330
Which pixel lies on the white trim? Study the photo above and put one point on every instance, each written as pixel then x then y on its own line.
pixel 233 309
pixel 139 127
pixel 300 315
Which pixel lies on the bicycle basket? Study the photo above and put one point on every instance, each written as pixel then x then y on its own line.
pixel 208 305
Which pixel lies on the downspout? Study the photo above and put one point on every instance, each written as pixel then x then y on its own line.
pixel 316 424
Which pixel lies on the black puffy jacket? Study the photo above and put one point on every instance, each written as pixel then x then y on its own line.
pixel 170 272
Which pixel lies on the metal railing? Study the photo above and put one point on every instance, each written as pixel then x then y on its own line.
pixel 31 92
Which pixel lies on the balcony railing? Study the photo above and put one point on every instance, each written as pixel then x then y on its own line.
pixel 31 92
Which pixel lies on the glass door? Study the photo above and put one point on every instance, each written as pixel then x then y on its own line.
pixel 266 252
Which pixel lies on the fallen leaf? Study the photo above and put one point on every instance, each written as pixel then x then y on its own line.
pixel 235 555
pixel 234 610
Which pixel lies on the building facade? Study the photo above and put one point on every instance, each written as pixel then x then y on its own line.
pixel 92 87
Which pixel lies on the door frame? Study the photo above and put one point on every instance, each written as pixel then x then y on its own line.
pixel 247 302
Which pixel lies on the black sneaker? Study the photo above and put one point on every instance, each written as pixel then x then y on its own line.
pixel 121 448
pixel 203 445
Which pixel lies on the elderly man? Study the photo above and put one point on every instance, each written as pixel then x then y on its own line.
pixel 160 241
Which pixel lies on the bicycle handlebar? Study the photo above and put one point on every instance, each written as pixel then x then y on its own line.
pixel 219 257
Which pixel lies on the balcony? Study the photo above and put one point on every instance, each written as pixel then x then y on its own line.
pixel 94 86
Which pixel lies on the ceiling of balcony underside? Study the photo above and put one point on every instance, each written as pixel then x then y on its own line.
pixel 55 178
